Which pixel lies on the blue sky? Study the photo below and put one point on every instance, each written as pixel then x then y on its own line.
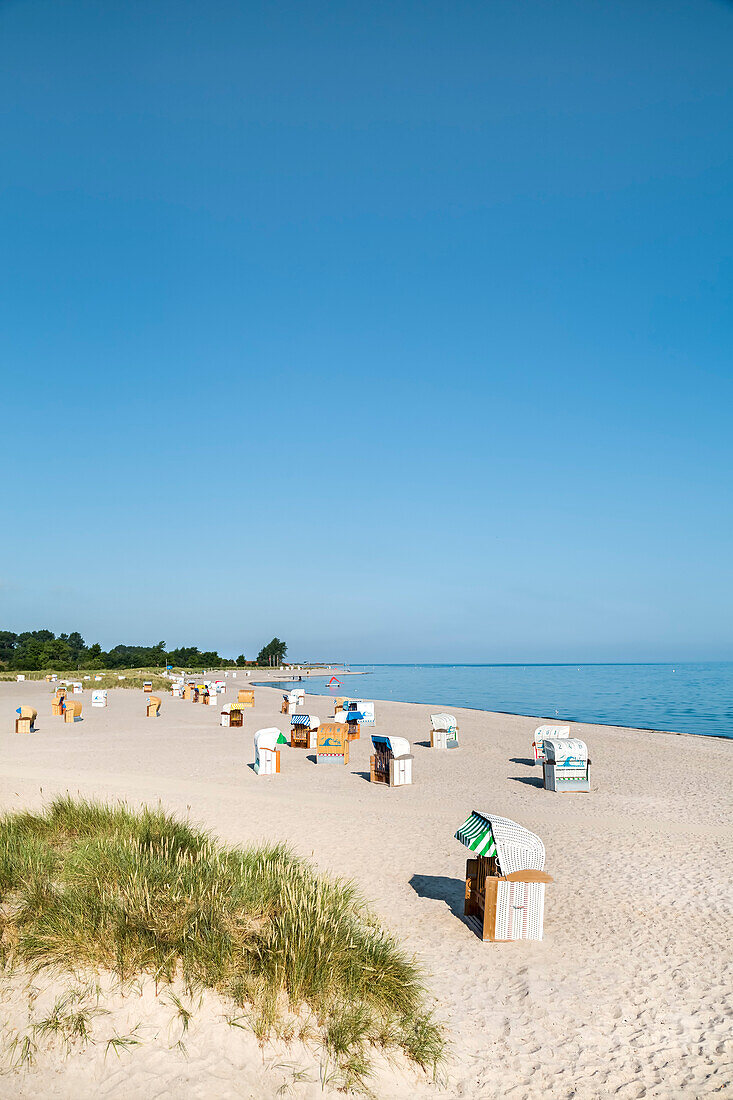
pixel 400 330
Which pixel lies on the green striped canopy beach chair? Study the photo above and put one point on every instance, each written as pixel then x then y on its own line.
pixel 505 879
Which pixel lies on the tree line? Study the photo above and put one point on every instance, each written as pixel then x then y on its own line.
pixel 34 650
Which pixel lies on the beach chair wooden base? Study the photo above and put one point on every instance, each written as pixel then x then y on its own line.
pixel 23 725
pixel 504 909
pixel 57 710
pixel 379 768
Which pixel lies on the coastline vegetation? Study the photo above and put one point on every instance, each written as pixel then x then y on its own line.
pixel 42 651
pixel 86 885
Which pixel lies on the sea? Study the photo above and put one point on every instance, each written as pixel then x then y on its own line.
pixel 686 698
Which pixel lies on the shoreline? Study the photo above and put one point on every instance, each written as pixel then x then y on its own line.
pixel 544 720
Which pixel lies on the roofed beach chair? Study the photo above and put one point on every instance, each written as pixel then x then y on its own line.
pixel 505 879
pixel 292 700
pixel 539 736
pixel 153 707
pixel 57 703
pixel 391 762
pixel 232 714
pixel 26 720
pixel 365 708
pixel 332 745
pixel 443 731
pixel 267 750
pixel 72 711
pixel 304 731
pixel 565 765
pixel 246 696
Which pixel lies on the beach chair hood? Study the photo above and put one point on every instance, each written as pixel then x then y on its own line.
pixel 310 721
pixel 399 746
pixel 565 752
pixel 443 721
pixel 270 738
pixel 515 848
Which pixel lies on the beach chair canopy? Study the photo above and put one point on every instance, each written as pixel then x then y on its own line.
pixel 310 721
pixel 443 721
pixel 515 848
pixel 398 746
pixel 546 731
pixel 567 752
pixel 269 738
pixel 27 712
pixel 543 732
pixel 227 708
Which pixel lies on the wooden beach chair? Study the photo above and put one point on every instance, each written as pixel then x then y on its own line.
pixel 391 763
pixel 26 720
pixel 232 714
pixel 246 697
pixel 332 745
pixel 304 731
pixel 147 686
pixel 153 708
pixel 72 711
pixel 505 879
pixel 57 703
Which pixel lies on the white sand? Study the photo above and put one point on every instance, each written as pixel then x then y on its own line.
pixel 628 994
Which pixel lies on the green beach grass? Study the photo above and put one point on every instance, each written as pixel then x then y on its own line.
pixel 85 885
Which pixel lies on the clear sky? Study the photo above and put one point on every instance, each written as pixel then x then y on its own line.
pixel 401 330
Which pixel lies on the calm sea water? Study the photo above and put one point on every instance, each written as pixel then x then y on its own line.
pixel 687 698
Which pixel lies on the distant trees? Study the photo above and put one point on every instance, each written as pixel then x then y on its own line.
pixel 33 650
pixel 272 653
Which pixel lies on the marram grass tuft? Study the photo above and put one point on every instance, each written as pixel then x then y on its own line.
pixel 85 884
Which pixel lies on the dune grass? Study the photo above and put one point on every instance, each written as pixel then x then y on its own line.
pixel 88 885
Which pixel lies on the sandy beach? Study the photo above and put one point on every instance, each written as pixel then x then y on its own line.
pixel 627 995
